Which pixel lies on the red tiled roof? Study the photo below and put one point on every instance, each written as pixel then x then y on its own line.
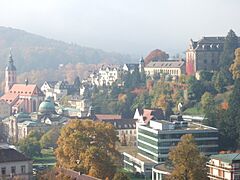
pixel 25 90
pixel 108 116
pixel 10 98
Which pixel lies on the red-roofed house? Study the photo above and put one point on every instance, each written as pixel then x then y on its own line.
pixel 21 97
pixel 24 98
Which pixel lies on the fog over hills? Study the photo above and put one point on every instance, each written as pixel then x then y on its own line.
pixel 34 52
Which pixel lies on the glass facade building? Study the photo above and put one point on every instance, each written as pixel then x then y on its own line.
pixel 156 139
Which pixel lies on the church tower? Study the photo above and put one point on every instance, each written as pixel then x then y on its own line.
pixel 141 65
pixel 10 74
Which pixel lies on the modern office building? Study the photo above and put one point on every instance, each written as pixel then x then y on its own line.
pixel 156 139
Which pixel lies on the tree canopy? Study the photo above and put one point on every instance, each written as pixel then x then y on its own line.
pixel 188 163
pixel 88 147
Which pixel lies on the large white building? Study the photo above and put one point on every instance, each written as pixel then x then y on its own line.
pixel 175 68
pixel 104 76
pixel 155 139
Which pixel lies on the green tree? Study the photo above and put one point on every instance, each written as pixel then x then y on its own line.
pixel 187 161
pixel 195 88
pixel 220 81
pixel 121 176
pixel 30 146
pixel 49 139
pixel 207 102
pixel 206 75
pixel 88 147
pixel 227 56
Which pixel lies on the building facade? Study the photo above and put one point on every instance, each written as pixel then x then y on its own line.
pixel 156 139
pixel 204 54
pixel 14 165
pixel 224 167
pixel 104 76
pixel 161 171
pixel 175 68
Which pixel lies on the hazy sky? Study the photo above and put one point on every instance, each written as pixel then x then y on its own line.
pixel 128 26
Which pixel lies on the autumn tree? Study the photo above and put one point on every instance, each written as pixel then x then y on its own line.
pixel 88 147
pixel 235 67
pixel 187 161
pixel 121 176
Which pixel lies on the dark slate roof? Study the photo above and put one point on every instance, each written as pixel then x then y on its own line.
pixel 210 43
pixel 11 155
pixel 227 158
pixel 165 64
pixel 132 66
pixel 51 83
pixel 122 123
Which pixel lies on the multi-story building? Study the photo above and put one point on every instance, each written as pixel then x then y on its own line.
pixel 224 167
pixel 156 139
pixel 104 76
pixel 21 97
pixel 14 165
pixel 175 68
pixel 204 54
pixel 161 171
pixel 57 89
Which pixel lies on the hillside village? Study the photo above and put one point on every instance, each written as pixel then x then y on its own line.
pixel 150 104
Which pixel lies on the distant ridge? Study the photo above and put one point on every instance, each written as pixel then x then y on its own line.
pixel 32 51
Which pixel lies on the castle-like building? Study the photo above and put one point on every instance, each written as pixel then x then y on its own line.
pixel 204 54
pixel 21 97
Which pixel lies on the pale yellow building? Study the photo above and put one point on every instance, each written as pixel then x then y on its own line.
pixel 173 68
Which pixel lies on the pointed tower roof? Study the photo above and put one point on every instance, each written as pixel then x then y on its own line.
pixel 10 66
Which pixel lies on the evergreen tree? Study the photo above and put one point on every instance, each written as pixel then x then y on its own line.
pixel 227 56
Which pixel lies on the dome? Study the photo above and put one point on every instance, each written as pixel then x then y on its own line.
pixel 47 106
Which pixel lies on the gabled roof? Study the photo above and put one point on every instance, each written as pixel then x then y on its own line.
pixel 12 155
pixel 122 123
pixel 132 66
pixel 165 64
pixel 108 116
pixel 10 98
pixel 151 114
pixel 227 158
pixel 25 90
pixel 51 83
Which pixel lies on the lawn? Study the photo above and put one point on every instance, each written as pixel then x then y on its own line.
pixel 47 158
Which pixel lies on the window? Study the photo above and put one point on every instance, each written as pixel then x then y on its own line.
pixel 13 169
pixel 23 169
pixel 3 171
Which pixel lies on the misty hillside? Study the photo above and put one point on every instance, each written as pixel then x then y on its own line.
pixel 34 52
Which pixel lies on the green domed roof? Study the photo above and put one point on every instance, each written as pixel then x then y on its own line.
pixel 47 106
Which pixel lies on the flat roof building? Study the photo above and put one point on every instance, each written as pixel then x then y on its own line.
pixel 156 139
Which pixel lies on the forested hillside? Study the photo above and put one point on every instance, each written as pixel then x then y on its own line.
pixel 34 52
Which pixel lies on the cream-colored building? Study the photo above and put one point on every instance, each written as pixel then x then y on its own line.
pixel 5 109
pixel 104 76
pixel 170 67
pixel 224 167
pixel 14 165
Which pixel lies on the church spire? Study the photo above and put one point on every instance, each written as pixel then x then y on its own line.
pixel 10 73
